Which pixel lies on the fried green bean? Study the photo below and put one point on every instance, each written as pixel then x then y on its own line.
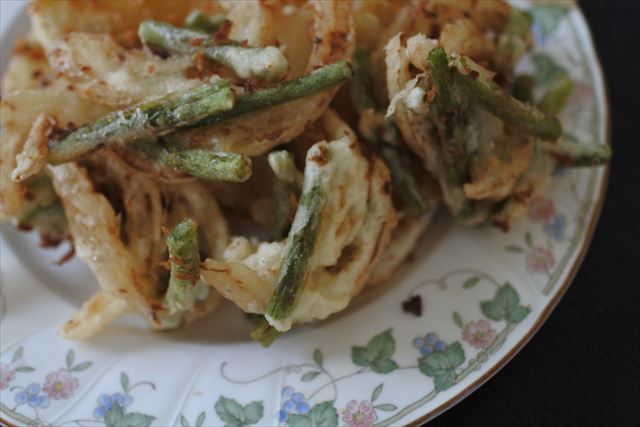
pixel 362 84
pixel 264 333
pixel 453 136
pixel 299 248
pixel 575 154
pixel 522 88
pixel 268 63
pixel 43 210
pixel 438 61
pixel 414 201
pixel 208 104
pixel 386 141
pixel 184 256
pixel 143 121
pixel 287 184
pixel 197 20
pixel 513 42
pixel 496 101
pixel 199 162
pixel 556 96
pixel 322 79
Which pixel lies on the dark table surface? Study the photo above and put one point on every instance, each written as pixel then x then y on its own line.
pixel 583 366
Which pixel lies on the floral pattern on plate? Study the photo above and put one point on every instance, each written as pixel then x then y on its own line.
pixel 443 363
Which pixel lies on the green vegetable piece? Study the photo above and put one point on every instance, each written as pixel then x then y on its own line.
pixel 513 42
pixel 579 155
pixel 299 249
pixel 184 257
pixel 43 211
pixel 554 100
pixel 268 63
pixel 455 120
pixel 264 333
pixel 287 184
pixel 199 162
pixel 522 88
pixel 197 20
pixel 492 98
pixel 405 184
pixel 438 61
pixel 362 84
pixel 170 112
pixel 414 202
pixel 322 79
pixel 143 121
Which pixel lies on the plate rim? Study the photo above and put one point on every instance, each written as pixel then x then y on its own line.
pixel 551 305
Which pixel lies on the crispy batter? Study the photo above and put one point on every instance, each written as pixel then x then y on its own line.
pixel 33 157
pixel 355 230
pixel 463 37
pixel 100 310
pixel 19 112
pixel 104 72
pixel 51 20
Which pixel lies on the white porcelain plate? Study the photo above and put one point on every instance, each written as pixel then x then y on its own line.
pixel 484 295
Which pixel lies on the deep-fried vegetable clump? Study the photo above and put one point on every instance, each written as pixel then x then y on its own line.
pixel 146 133
pixel 491 151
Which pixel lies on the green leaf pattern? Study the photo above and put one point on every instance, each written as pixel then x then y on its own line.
pixel 321 415
pixel 471 282
pixel 376 355
pixel 376 392
pixel 124 381
pixel 310 376
pixel 234 414
pixel 116 417
pixel 505 305
pixel 441 366
pixel 17 355
pixel 317 357
pixel 457 319
pixel 199 421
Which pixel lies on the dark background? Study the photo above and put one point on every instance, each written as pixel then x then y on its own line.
pixel 583 366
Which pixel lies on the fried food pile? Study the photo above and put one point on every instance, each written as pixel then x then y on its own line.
pixel 281 155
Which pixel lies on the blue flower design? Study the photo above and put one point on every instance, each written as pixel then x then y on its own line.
pixel 106 401
pixel 538 34
pixel 429 343
pixel 31 397
pixel 287 392
pixel 431 338
pixel 302 408
pixel 293 403
pixel 556 227
pixel 440 346
pixel 289 406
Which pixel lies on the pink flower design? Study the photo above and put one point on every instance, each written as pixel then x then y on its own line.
pixel 362 415
pixel 60 384
pixel 541 209
pixel 540 260
pixel 479 334
pixel 6 375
